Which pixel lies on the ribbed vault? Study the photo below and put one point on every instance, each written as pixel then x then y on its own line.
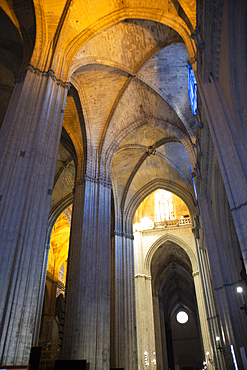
pixel 172 280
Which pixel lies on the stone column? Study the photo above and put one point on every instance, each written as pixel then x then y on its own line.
pixel 225 279
pixel 117 309
pixel 203 318
pixel 87 310
pixel 144 303
pixel 41 296
pixel 123 312
pixel 29 144
pixel 215 358
pixel 160 337
pixel 232 156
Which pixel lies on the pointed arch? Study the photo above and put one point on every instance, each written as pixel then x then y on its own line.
pixel 171 238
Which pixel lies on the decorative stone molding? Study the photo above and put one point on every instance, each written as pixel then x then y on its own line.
pixel 150 151
pixel 210 24
pixel 49 73
pixel 94 180
pixel 125 235
pixel 215 38
pixel 199 121
pixel 20 79
pixel 197 170
pixel 196 35
pixel 192 60
pixel 196 273
pixel 147 277
pixel 195 231
pixel 240 206
pixel 228 285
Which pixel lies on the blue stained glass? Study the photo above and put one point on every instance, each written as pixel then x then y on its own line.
pixel 192 89
pixel 194 184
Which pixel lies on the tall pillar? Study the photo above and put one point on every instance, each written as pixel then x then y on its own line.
pixel 29 142
pixel 203 318
pixel 231 154
pixel 123 328
pixel 145 314
pixel 160 333
pixel 214 356
pixel 41 296
pixel 225 279
pixel 87 310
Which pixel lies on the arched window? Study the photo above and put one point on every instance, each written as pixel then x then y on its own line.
pixel 192 89
pixel 163 205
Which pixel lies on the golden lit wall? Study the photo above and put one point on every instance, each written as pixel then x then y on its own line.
pixel 147 208
pixel 59 247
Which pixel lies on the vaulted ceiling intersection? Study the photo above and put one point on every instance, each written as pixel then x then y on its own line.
pixel 132 79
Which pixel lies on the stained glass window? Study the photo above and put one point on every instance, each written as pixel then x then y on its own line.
pixel 163 206
pixel 194 184
pixel 192 89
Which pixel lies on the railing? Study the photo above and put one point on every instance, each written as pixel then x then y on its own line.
pixel 150 225
pixel 169 223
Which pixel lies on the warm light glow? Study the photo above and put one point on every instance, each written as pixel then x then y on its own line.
pixel 163 205
pixel 182 317
pixel 207 353
pixel 239 289
pixel 58 253
pixel 145 224
pixel 137 227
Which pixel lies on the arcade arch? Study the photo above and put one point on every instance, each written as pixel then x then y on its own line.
pixel 167 280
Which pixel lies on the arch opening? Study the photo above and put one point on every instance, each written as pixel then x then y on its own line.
pixel 173 285
pixel 165 260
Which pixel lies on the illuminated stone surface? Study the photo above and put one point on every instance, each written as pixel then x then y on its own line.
pixel 127 131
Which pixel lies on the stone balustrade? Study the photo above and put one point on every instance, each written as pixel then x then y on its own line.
pixel 176 222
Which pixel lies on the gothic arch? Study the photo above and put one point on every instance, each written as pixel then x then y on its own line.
pixel 151 187
pixel 170 20
pixel 41 37
pixel 55 213
pixel 154 122
pixel 175 239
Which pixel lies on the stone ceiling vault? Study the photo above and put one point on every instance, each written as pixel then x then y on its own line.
pixel 127 64
pixel 132 80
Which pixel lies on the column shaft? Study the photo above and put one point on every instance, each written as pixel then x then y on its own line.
pixel 225 279
pixel 123 327
pixel 231 154
pixel 29 143
pixel 87 311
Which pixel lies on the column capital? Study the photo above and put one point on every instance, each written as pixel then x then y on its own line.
pixel 50 73
pixel 95 180
pixel 125 235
